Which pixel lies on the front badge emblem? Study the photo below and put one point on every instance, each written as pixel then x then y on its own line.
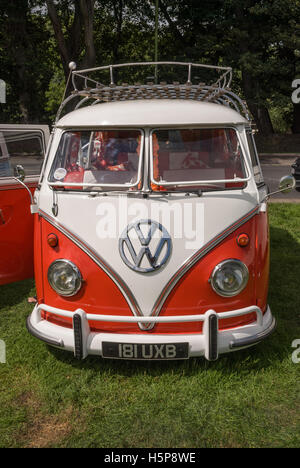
pixel 145 246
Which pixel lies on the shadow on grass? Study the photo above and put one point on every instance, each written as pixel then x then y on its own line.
pixel 14 293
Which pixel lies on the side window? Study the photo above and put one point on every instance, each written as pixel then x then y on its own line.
pixel 19 147
pixel 5 168
pixel 258 176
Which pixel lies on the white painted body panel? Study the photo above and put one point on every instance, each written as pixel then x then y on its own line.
pixel 154 113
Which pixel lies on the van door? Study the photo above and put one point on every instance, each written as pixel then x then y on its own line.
pixel 23 145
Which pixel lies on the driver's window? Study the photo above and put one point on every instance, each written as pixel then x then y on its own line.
pixel 5 167
pixel 20 147
pixel 258 176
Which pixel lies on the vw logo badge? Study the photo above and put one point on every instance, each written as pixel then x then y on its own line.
pixel 145 246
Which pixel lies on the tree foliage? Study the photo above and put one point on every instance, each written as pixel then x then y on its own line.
pixel 259 38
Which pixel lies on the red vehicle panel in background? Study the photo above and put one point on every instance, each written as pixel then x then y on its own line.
pixel 23 145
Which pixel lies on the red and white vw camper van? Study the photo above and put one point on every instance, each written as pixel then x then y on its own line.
pixel 151 228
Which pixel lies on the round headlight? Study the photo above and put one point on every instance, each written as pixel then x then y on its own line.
pixel 229 278
pixel 64 277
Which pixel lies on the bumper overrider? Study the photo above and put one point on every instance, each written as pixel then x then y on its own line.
pixel 210 343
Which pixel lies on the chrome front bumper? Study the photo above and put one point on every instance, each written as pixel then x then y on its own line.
pixel 210 343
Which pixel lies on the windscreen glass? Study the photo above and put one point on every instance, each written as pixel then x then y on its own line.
pixel 187 155
pixel 91 158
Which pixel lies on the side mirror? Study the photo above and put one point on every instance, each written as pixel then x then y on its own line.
pixel 19 172
pixel 287 184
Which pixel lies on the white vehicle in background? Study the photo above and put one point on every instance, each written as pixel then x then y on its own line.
pixel 151 228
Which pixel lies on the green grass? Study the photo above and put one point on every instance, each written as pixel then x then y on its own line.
pixel 245 399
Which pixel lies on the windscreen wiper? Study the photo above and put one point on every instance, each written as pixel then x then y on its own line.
pixel 186 192
pixel 143 193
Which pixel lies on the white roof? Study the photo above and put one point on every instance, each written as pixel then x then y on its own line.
pixel 152 112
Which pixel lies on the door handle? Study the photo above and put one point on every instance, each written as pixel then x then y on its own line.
pixel 2 220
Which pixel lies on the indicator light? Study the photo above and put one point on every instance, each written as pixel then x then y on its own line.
pixel 52 240
pixel 243 240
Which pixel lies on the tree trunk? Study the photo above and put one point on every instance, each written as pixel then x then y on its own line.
pixel 59 36
pixel 87 12
pixel 260 113
pixel 118 14
pixel 262 118
pixel 18 36
pixel 70 49
pixel 172 25
pixel 296 119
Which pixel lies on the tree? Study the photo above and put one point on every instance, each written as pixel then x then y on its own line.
pixel 259 39
pixel 73 26
pixel 23 40
pixel 219 32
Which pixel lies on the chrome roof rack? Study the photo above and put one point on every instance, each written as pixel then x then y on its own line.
pixel 86 89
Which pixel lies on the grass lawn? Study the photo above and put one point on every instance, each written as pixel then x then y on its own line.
pixel 245 399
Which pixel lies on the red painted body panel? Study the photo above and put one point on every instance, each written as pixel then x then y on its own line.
pixel 99 294
pixel 16 234
pixel 192 294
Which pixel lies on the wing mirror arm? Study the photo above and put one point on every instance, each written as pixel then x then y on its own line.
pixel 286 185
pixel 20 177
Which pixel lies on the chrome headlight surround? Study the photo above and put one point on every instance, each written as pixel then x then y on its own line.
pixel 64 277
pixel 229 277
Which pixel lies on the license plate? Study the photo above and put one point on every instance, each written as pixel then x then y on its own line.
pixel 145 351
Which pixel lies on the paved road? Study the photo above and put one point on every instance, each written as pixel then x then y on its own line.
pixel 274 167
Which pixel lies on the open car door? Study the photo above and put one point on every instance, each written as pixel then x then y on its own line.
pixel 23 145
